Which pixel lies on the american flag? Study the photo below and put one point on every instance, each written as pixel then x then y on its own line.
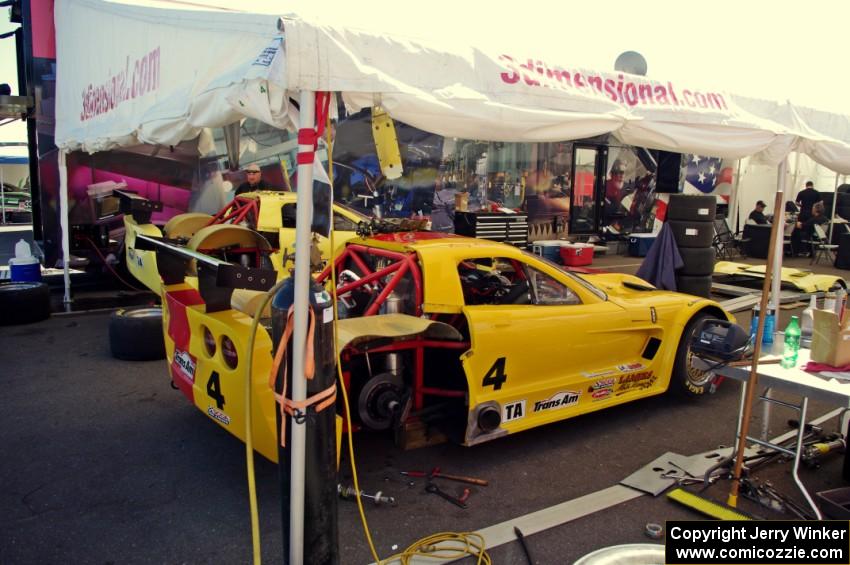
pixel 702 172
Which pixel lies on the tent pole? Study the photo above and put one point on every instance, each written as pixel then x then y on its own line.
pixel 304 211
pixel 63 222
pixel 776 281
pixel 733 200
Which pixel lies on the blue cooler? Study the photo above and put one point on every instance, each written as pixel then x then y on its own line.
pixel 25 270
pixel 548 249
pixel 639 244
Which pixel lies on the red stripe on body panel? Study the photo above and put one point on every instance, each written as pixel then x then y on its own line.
pixel 180 332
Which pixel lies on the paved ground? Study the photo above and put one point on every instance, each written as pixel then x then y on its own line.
pixel 105 463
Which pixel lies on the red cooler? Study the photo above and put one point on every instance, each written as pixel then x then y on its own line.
pixel 577 254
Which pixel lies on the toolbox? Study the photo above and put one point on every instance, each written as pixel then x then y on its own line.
pixel 508 228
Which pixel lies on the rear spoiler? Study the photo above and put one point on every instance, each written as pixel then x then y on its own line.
pixel 216 278
pixel 139 207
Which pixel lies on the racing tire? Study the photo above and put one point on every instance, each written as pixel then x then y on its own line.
pixel 691 207
pixel 697 261
pixel 692 234
pixel 695 285
pixel 135 334
pixel 687 381
pixel 23 303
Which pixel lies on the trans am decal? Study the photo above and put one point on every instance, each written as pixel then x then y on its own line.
pixel 558 400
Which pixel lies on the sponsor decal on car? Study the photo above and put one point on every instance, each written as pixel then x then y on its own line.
pixel 184 361
pixel 558 400
pixel 602 384
pixel 635 381
pixel 597 374
pixel 601 394
pixel 630 367
pixel 513 411
pixel 217 414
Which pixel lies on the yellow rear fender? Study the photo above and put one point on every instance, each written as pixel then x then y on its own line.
pixel 207 358
pixel 141 264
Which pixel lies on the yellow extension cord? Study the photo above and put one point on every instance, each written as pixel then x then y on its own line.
pixel 444 545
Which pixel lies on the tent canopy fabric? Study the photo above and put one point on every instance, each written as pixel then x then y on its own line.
pixel 158 76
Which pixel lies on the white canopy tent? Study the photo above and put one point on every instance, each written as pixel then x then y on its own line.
pixel 158 76
pixel 130 74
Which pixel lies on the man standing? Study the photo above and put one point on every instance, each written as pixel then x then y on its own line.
pixel 254 180
pixel 806 199
pixel 757 215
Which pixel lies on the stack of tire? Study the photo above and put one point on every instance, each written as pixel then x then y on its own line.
pixel 691 219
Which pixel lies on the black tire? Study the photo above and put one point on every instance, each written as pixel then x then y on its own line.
pixel 692 207
pixel 698 286
pixel 686 381
pixel 692 234
pixel 698 261
pixel 24 302
pixel 135 334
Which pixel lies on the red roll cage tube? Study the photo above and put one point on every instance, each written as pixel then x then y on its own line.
pixel 401 264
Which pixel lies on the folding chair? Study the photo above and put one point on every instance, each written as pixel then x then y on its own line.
pixel 725 243
pixel 821 246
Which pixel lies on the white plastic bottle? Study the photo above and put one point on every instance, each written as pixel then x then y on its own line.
pixel 807 318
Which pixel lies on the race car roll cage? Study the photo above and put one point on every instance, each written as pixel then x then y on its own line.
pixel 401 263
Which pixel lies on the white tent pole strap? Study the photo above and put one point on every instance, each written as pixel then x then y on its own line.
pixel 304 211
pixel 834 206
pixel 63 222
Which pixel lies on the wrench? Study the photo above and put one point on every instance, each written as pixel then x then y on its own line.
pixel 434 489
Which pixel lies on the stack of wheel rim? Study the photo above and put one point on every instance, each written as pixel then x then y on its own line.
pixel 691 219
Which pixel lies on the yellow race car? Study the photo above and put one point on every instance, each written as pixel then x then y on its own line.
pixel 476 338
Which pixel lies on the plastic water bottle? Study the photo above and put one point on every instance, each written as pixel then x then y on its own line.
pixel 769 326
pixel 829 301
pixel 807 320
pixel 792 344
pixel 754 322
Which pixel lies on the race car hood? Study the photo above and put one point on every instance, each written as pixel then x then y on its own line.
pixel 635 294
pixel 801 279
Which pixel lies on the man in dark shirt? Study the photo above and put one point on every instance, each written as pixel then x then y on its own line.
pixel 255 180
pixel 806 199
pixel 757 215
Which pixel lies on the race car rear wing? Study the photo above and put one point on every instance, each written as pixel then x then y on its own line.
pixel 216 278
pixel 139 207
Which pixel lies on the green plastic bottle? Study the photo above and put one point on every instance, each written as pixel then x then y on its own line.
pixel 792 343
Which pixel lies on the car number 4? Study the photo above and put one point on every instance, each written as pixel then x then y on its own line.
pixel 496 376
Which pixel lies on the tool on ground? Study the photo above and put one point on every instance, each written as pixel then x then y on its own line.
pixel 378 498
pixel 521 537
pixel 706 506
pixel 435 473
pixel 434 489
pixel 654 530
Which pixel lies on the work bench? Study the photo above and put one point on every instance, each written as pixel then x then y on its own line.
pixel 796 382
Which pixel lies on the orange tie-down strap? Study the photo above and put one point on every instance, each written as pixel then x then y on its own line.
pixel 320 400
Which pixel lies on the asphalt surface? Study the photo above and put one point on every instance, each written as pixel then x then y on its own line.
pixel 105 463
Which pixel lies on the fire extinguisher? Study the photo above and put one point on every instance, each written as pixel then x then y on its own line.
pixel 320 489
